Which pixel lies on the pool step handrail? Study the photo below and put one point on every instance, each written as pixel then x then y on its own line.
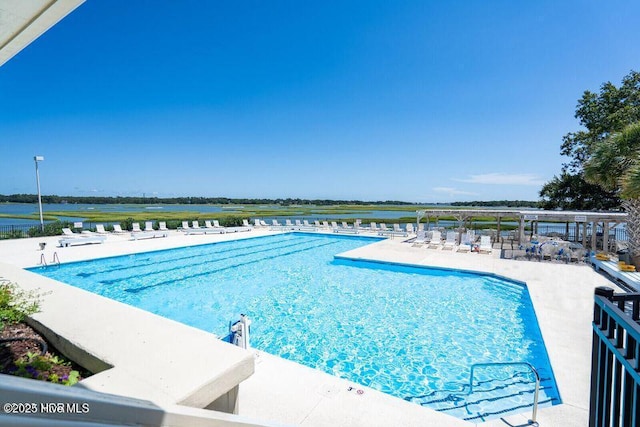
pixel 55 259
pixel 239 332
pixel 43 261
pixel 534 414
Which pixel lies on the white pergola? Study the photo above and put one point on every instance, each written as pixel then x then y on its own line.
pixel 584 219
pixel 23 21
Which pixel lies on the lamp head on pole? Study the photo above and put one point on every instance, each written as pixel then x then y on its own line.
pixel 38 158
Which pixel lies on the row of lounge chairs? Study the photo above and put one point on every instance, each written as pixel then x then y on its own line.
pixel 344 227
pixel 99 236
pixel 467 243
pixel 212 227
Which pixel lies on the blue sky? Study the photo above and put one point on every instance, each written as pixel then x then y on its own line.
pixel 423 101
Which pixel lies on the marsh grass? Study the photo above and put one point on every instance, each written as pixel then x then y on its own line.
pixel 230 213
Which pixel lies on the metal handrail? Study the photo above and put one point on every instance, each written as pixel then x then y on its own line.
pixel 43 261
pixel 528 365
pixel 55 259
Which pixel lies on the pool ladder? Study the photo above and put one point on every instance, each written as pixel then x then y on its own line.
pixel 534 414
pixel 54 260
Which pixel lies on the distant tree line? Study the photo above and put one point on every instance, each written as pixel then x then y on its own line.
pixel 98 200
pixel 500 203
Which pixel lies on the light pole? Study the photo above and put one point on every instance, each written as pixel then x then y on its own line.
pixel 37 159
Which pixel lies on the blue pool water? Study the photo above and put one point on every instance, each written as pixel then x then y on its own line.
pixel 407 331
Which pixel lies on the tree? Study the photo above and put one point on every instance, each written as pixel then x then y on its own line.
pixel 573 192
pixel 601 115
pixel 614 164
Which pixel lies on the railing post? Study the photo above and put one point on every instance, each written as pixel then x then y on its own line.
pixel 615 367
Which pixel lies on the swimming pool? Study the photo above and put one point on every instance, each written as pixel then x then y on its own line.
pixel 407 331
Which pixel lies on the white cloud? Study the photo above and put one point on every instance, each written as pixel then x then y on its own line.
pixel 497 178
pixel 453 191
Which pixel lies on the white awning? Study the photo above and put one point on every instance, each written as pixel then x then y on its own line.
pixel 23 21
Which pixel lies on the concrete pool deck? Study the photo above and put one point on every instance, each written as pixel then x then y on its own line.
pixel 276 390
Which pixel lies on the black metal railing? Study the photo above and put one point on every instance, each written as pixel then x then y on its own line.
pixel 15 231
pixel 615 360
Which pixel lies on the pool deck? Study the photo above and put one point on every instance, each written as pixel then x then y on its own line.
pixel 274 389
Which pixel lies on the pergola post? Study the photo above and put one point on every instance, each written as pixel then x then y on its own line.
pixel 584 234
pixel 498 229
pixel 521 230
pixel 594 235
pixel 605 236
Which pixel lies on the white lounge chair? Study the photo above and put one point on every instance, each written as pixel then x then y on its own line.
pixel 135 227
pixel 450 241
pixel 100 229
pixel 71 238
pixel 263 223
pixel 185 226
pixel 465 243
pixel 345 228
pixel 216 223
pixel 420 240
pixel 162 226
pixel 235 229
pixel 67 232
pixel 317 223
pixel 303 226
pixel 485 245
pixel 435 241
pixel 398 231
pixel 118 229
pixel 148 226
pixel 325 224
pixel 83 240
pixel 373 227
pixel 409 228
pixel 245 223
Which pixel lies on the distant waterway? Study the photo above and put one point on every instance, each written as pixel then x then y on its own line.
pixel 390 216
pixel 30 208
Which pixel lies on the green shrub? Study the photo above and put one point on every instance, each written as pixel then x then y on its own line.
pixel 231 221
pixel 173 224
pixel 39 366
pixel 13 234
pixel 16 304
pixel 127 224
pixel 50 229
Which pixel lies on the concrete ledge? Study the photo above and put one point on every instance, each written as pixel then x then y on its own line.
pixel 153 358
